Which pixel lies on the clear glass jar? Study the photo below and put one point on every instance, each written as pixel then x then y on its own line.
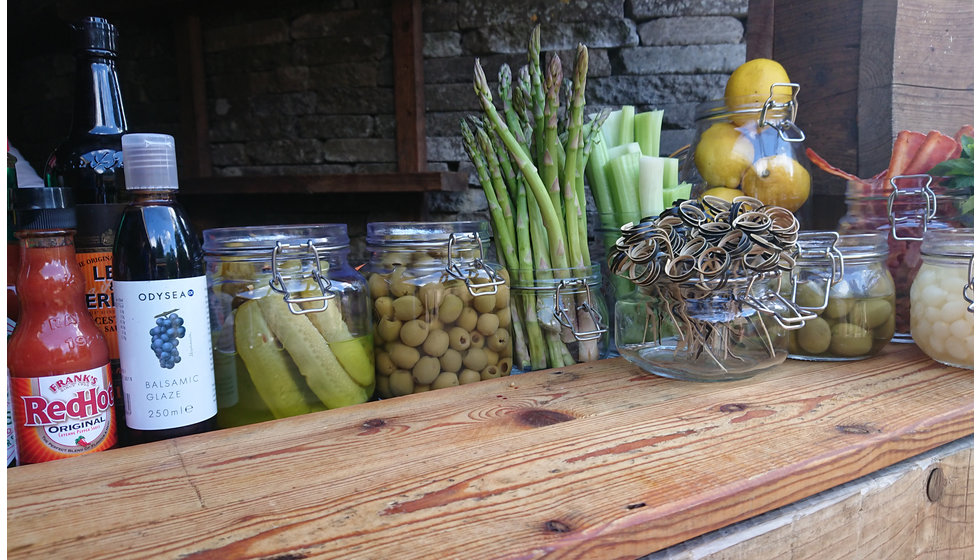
pixel 856 319
pixel 942 297
pixel 734 333
pixel 921 206
pixel 563 318
pixel 612 288
pixel 744 148
pixel 290 321
pixel 442 311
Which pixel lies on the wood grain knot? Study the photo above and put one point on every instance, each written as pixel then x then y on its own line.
pixel 373 423
pixel 935 485
pixel 290 556
pixel 732 407
pixel 636 506
pixel 554 526
pixel 539 417
pixel 855 429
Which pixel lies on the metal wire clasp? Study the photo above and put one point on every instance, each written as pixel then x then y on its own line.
pixel 796 317
pixel 454 268
pixel 927 194
pixel 968 287
pixel 827 249
pixel 787 128
pixel 561 312
pixel 279 280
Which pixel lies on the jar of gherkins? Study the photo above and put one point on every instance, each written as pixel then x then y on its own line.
pixel 850 289
pixel 290 321
pixel 441 308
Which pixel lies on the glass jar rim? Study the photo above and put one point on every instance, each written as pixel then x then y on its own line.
pixel 420 233
pixel 719 108
pixel 249 239
pixel 593 278
pixel 950 242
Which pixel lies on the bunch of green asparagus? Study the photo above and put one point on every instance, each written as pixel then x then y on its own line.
pixel 530 158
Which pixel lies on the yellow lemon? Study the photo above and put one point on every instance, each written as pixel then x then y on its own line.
pixel 749 86
pixel 722 155
pixel 778 180
pixel 723 192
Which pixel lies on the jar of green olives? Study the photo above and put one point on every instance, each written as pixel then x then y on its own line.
pixel 441 309
pixel 851 291
pixel 290 321
pixel 942 297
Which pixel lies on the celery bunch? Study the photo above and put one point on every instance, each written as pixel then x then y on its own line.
pixel 530 158
pixel 628 178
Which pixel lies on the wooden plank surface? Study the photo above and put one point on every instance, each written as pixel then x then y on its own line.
pixel 595 460
pixel 429 181
pixel 919 508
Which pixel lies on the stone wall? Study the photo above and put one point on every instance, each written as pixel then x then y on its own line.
pixel 305 86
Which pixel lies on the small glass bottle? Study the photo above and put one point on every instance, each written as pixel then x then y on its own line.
pixel 442 312
pixel 856 317
pixel 58 359
pixel 161 302
pixel 291 322
pixel 942 297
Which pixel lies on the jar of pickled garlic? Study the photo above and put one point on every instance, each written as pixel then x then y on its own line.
pixel 942 297
pixel 441 308
pixel 853 295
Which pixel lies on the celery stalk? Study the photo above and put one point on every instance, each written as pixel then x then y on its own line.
pixel 670 172
pixel 626 125
pixel 610 128
pixel 650 192
pixel 646 131
pixel 622 172
pixel 630 148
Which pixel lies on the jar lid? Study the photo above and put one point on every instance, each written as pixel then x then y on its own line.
pixel 415 233
pixel 44 209
pixel 241 240
pixel 814 245
pixel 952 242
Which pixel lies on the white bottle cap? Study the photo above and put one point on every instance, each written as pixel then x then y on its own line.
pixel 149 161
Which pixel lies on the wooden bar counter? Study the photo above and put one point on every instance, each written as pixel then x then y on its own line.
pixel 597 460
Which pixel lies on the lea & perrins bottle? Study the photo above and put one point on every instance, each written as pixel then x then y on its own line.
pixel 161 302
pixel 89 162
pixel 57 357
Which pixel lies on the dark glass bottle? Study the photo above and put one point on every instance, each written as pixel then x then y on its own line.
pixel 89 162
pixel 161 302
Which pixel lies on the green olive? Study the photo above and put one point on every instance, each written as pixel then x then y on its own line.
pixel 421 389
pixel 384 307
pixel 460 290
pixel 413 333
pixel 467 319
pixel 490 372
pixel 459 339
pixel 849 340
pixel 498 340
pixel 436 343
pixel 487 323
pixel 475 358
pixel 492 357
pixel 809 294
pixel 814 337
pixel 383 363
pixel 451 360
pixel 505 365
pixel 446 379
pixel 503 315
pixel 388 330
pixel 402 288
pixel 426 370
pixel 401 383
pixel 382 387
pixel 408 308
pixel 870 313
pixel 477 340
pixel 450 309
pixel 468 376
pixel 485 303
pixel 886 330
pixel 432 295
pixel 502 300
pixel 837 308
pixel 378 286
pixel 794 346
pixel 404 357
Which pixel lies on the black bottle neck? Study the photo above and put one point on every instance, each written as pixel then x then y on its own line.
pixel 98 100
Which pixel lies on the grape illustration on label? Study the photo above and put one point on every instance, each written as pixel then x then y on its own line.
pixel 165 337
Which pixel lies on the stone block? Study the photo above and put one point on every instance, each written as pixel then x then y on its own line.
pixel 621 90
pixel 649 9
pixel 350 74
pixel 328 50
pixel 479 13
pixel 445 148
pixel 248 34
pixel 695 30
pixel 358 150
pixel 471 201
pixel 335 126
pixel 341 23
pixel 439 16
pixel 459 69
pixel 452 97
pixel 441 44
pixel 228 154
pixel 241 125
pixel 298 103
pixel 285 151
pixel 686 59
pixel 445 123
pixel 348 100
pixel 249 59
pixel 599 64
pixel 513 38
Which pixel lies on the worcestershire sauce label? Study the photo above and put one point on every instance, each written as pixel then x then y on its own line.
pixel 97 225
pixel 165 352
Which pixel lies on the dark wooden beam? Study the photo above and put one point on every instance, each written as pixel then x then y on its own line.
pixel 406 19
pixel 759 29
pixel 194 148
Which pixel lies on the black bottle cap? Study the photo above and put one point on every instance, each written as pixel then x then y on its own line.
pixel 44 208
pixel 94 33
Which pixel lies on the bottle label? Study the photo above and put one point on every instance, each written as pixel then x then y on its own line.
pixel 63 415
pixel 96 235
pixel 11 438
pixel 165 352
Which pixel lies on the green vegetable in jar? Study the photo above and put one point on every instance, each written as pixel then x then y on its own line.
pixel 849 340
pixel 814 337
